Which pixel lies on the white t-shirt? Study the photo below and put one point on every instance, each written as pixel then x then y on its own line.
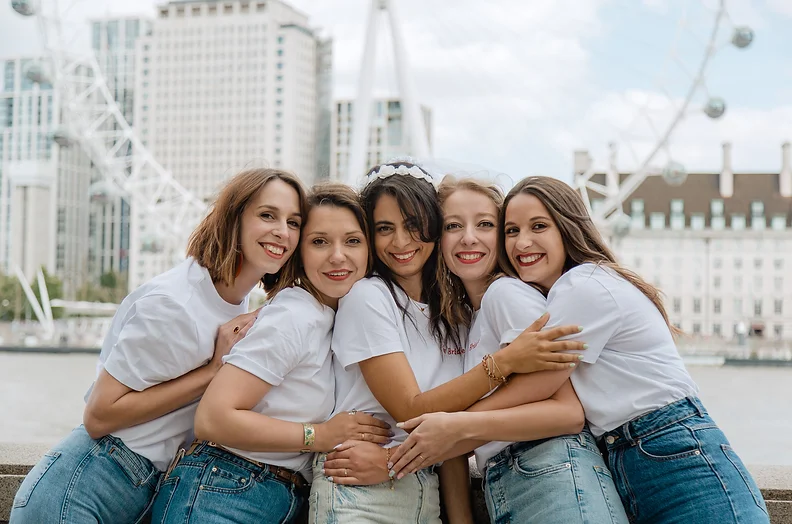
pixel 289 348
pixel 369 324
pixel 507 308
pixel 162 330
pixel 632 365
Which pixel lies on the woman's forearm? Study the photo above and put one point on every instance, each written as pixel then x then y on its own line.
pixel 523 389
pixel 102 417
pixel 455 489
pixel 248 430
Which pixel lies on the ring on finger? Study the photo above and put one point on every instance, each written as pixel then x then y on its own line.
pixel 363 437
pixel 346 473
pixel 352 412
pixel 236 329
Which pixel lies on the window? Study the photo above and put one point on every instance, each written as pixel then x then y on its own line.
pixel 657 220
pixel 778 306
pixel 716 207
pixel 737 263
pixel 758 283
pixel 778 263
pixel 696 305
pixel 778 283
pixel 778 222
pixel 637 213
pixel 738 222
pixel 677 305
pixel 697 221
pixel 716 282
pixel 738 282
pixel 758 263
pixel 758 307
pixel 677 205
pixel 757 208
pixel 696 328
pixel 716 329
pixel 716 306
pixel 778 330
pixel 738 306
pixel 717 262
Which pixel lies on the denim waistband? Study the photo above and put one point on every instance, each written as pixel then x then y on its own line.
pixel 630 432
pixel 584 439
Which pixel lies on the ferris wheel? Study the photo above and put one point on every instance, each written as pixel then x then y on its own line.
pixel 163 212
pixel 695 98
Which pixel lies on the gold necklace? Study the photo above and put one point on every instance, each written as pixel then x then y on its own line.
pixel 422 309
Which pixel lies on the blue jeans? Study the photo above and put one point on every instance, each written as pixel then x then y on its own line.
pixel 211 485
pixel 84 480
pixel 674 465
pixel 560 480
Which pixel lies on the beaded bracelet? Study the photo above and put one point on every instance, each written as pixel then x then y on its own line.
pixel 491 369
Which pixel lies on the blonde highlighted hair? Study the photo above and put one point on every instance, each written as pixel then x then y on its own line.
pixel 582 241
pixel 216 242
pixel 455 304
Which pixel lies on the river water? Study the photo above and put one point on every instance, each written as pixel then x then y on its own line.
pixel 41 400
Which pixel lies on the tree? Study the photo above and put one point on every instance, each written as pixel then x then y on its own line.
pixel 14 304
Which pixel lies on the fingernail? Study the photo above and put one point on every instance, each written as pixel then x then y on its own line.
pixel 330 479
pixel 391 433
pixel 392 474
pixel 585 346
pixel 400 424
pixel 390 465
pixel 323 471
pixel 580 328
pixel 580 357
pixel 545 313
pixel 572 365
pixel 336 447
pixel 401 475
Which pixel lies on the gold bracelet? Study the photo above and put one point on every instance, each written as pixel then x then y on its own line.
pixel 503 378
pixel 486 370
pixel 387 461
pixel 309 435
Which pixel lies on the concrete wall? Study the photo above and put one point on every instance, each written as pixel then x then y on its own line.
pixel 16 461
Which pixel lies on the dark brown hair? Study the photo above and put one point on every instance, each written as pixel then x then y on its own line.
pixel 331 194
pixel 455 304
pixel 417 200
pixel 582 240
pixel 215 243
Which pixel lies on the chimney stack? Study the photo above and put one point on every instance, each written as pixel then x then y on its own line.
pixel 726 179
pixel 785 176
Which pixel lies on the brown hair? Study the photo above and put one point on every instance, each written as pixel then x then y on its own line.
pixel 331 194
pixel 215 243
pixel 455 304
pixel 582 241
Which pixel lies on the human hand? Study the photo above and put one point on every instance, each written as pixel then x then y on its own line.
pixel 535 350
pixel 229 334
pixel 433 435
pixel 357 463
pixel 353 425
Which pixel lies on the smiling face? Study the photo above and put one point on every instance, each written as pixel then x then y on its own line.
pixel 398 245
pixel 533 242
pixel 470 236
pixel 334 252
pixel 271 227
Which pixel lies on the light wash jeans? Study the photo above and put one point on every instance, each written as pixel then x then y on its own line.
pixel 561 480
pixel 214 486
pixel 83 480
pixel 415 499
pixel 674 465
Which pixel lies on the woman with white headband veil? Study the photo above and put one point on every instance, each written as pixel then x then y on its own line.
pixel 396 357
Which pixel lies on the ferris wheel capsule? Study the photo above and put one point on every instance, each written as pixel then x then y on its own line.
pixel 743 37
pixel 674 173
pixel 621 226
pixel 23 7
pixel 62 137
pixel 715 107
pixel 37 73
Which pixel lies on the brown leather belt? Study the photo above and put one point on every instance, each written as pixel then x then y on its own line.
pixel 279 471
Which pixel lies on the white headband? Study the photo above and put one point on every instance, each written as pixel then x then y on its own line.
pixel 387 170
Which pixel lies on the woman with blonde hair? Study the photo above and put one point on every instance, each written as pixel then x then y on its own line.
pixel 538 461
pixel 669 460
pixel 165 344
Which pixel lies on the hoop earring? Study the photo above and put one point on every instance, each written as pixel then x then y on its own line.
pixel 238 266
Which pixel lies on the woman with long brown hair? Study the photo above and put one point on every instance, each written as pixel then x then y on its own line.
pixel 668 458
pixel 165 344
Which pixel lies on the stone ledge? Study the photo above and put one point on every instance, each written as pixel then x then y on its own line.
pixel 17 459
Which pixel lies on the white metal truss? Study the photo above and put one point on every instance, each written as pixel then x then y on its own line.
pixel 609 214
pixel 92 120
pixel 413 128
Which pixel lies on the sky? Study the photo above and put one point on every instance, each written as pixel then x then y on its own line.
pixel 516 87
